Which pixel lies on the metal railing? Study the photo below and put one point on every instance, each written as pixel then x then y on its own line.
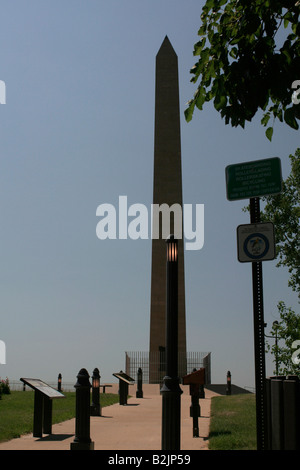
pixel 153 364
pixel 17 385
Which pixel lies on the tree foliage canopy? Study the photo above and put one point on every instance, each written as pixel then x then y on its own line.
pixel 283 210
pixel 287 349
pixel 249 59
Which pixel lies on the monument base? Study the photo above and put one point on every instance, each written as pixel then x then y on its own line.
pixel 82 445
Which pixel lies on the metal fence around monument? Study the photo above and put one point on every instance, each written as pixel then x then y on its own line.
pixel 152 364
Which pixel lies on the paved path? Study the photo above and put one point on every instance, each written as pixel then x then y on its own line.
pixel 135 426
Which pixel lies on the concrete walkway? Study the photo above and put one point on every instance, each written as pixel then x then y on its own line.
pixel 135 426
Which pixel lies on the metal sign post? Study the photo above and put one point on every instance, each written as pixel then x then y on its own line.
pixel 259 340
pixel 253 180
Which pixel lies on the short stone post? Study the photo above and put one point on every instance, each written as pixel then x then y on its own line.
pixel 82 440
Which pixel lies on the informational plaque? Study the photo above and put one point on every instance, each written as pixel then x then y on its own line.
pixel 43 395
pixel 42 387
pixel 122 376
pixel 124 381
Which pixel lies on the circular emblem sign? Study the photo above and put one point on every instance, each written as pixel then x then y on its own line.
pixel 256 242
pixel 256 246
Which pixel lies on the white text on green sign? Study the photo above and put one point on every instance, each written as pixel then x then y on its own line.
pixel 253 179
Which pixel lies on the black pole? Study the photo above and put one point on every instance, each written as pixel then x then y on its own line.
pixel 276 345
pixel 170 390
pixel 259 343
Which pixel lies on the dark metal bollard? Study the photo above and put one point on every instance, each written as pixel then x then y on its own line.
pixel 59 383
pixel 139 392
pixel 228 386
pixel 82 440
pixel 95 406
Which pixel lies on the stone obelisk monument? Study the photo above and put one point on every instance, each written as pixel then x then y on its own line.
pixel 167 189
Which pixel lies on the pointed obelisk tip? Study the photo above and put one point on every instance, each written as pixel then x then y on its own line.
pixel 166 44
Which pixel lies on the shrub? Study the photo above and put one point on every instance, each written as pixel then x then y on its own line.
pixel 4 386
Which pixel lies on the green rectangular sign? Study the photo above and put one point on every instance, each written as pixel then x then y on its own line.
pixel 253 179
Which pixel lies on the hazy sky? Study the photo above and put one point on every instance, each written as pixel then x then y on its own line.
pixel 77 131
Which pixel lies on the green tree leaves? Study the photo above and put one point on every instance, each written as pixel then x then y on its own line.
pixel 240 66
pixel 287 331
pixel 283 210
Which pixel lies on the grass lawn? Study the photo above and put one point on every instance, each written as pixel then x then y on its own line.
pixel 233 423
pixel 232 426
pixel 16 411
